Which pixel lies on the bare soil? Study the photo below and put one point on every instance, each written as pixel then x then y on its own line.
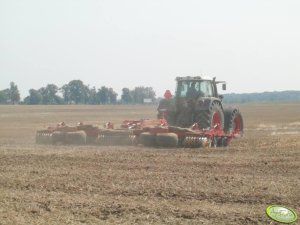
pixel 42 184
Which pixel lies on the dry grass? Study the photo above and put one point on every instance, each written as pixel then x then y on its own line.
pixel 136 185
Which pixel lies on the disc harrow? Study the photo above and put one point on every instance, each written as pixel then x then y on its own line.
pixel 150 133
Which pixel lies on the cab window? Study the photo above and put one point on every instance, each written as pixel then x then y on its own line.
pixel 203 88
pixel 182 88
pixel 206 88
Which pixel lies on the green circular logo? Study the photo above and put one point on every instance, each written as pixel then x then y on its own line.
pixel 281 214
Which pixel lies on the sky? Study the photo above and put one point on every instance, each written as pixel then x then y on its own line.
pixel 253 45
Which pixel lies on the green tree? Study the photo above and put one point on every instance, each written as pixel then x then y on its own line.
pixel 150 93
pixel 75 92
pixel 112 95
pixel 14 93
pixel 103 94
pixel 93 97
pixel 34 98
pixel 126 96
pixel 141 93
pixel 65 89
pixel 49 95
pixel 4 96
pixel 137 94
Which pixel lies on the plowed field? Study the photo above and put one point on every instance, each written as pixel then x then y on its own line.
pixel 42 184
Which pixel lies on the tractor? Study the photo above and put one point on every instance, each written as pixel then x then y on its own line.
pixel 197 102
pixel 194 118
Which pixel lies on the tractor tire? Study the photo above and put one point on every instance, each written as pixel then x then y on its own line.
pixel 147 139
pixel 234 123
pixel 169 140
pixel 208 119
pixel 75 138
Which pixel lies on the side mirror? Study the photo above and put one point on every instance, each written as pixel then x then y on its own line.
pixel 224 87
pixel 221 97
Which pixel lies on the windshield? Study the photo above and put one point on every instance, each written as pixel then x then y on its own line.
pixel 192 88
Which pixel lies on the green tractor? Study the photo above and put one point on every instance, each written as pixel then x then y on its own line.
pixel 197 102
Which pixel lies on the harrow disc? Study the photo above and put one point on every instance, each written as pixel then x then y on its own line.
pixel 195 142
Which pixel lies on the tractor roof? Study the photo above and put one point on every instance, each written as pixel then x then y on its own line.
pixel 188 78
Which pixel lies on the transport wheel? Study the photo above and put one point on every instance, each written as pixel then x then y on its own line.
pixel 167 140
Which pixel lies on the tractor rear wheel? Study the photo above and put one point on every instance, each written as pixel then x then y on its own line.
pixel 211 117
pixel 234 123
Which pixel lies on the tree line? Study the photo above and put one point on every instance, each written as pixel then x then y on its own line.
pixel 76 92
pixel 263 97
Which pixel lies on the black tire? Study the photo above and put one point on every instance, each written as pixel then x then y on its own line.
pixel 205 118
pixel 147 139
pixel 234 122
pixel 169 140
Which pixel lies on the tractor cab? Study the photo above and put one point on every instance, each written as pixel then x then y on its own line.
pixel 193 90
pixel 194 87
pixel 194 98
